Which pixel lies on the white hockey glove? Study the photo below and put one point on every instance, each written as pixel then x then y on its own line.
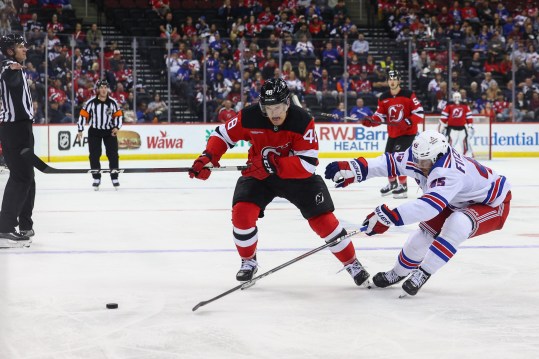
pixel 344 173
pixel 442 128
pixel 470 131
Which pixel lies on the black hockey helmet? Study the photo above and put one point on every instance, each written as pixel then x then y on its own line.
pixel 273 92
pixel 393 75
pixel 9 41
pixel 102 82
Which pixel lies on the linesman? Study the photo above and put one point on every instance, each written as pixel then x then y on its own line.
pixel 16 118
pixel 105 118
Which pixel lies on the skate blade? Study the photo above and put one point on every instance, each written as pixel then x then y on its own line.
pixel 399 196
pixel 404 294
pixel 248 284
pixel 96 189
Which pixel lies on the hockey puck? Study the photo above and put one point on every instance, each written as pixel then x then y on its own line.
pixel 112 306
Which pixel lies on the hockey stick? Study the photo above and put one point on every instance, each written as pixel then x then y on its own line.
pixel 251 282
pixel 348 118
pixel 45 168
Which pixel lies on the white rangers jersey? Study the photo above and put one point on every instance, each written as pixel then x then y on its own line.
pixel 455 181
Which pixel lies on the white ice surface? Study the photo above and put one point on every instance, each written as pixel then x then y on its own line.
pixel 163 243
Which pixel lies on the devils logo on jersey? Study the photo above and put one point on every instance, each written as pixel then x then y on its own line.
pixel 457 112
pixel 396 113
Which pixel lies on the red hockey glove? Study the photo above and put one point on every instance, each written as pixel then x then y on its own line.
pixel 261 167
pixel 381 219
pixel 199 169
pixel 344 173
pixel 369 122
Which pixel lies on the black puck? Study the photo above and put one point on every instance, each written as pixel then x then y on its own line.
pixel 112 306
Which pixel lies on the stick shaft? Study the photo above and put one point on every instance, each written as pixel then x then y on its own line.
pixel 45 168
pixel 249 283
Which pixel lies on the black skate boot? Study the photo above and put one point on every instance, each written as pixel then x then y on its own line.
pixel 248 269
pixel 14 240
pixel 385 279
pixel 96 184
pixel 116 184
pixel 401 191
pixel 413 284
pixel 388 189
pixel 360 275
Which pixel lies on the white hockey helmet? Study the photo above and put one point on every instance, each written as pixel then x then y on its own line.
pixel 428 147
pixel 457 97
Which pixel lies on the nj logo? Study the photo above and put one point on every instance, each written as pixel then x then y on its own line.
pixel 396 113
pixel 457 113
pixel 319 199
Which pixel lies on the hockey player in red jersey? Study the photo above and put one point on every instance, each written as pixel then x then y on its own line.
pixel 456 124
pixel 402 112
pixel 282 161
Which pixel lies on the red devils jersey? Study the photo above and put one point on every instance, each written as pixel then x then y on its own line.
pixel 295 141
pixel 402 112
pixel 456 115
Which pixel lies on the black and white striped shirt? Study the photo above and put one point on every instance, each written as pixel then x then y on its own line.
pixel 102 115
pixel 15 92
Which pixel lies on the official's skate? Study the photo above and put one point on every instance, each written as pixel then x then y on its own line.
pixel 116 184
pixel 96 184
pixel 14 240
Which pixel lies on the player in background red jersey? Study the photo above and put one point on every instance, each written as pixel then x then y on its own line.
pixel 282 160
pixel 456 124
pixel 401 111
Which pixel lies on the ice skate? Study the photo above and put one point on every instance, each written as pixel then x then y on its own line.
pixel 358 273
pixel 28 233
pixel 414 283
pixel 116 184
pixel 388 189
pixel 96 184
pixel 385 279
pixel 248 269
pixel 14 240
pixel 401 191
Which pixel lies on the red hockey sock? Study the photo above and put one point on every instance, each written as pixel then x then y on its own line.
pixel 328 227
pixel 402 179
pixel 244 217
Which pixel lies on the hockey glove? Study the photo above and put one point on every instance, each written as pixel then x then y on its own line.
pixel 369 122
pixel 344 173
pixel 442 128
pixel 470 131
pixel 381 219
pixel 261 167
pixel 200 168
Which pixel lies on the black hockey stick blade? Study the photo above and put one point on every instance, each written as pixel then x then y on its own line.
pixel 251 282
pixel 45 168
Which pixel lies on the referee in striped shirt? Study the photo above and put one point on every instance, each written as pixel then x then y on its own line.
pixel 105 119
pixel 16 118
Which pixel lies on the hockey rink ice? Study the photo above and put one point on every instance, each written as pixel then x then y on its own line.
pixel 163 243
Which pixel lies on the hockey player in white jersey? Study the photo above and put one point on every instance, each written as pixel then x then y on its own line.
pixel 461 199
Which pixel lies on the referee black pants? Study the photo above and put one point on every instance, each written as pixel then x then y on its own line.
pixel 20 191
pixel 95 138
